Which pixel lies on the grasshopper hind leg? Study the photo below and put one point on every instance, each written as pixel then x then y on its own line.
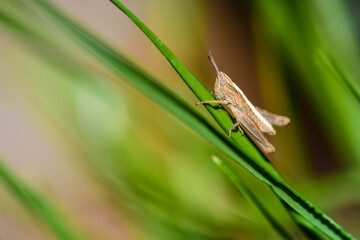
pixel 255 131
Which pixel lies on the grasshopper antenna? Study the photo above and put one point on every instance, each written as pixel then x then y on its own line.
pixel 213 62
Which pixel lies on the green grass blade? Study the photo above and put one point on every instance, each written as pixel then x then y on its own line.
pixel 303 224
pixel 306 227
pixel 333 66
pixel 37 205
pixel 251 197
pixel 240 148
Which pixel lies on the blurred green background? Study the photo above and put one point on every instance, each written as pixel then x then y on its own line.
pixel 117 166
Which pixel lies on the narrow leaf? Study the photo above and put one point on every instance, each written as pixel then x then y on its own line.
pixel 333 66
pixel 37 205
pixel 306 227
pixel 251 197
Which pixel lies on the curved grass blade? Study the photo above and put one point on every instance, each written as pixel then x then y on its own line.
pixel 37 205
pixel 333 66
pixel 240 148
pixel 251 197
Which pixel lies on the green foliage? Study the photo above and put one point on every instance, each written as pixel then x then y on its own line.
pixel 330 64
pixel 254 161
pixel 250 197
pixel 239 148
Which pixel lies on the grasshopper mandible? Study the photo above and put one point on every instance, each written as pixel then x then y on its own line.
pixel 252 119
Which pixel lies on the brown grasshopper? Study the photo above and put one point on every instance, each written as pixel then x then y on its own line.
pixel 254 120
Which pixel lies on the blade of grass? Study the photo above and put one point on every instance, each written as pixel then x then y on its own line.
pixel 251 197
pixel 306 227
pixel 241 149
pixel 37 204
pixel 303 224
pixel 333 66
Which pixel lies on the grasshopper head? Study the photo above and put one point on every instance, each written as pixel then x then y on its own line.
pixel 221 79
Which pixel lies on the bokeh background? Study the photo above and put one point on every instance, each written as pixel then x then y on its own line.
pixel 120 167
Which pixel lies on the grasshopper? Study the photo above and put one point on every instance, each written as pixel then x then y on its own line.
pixel 252 119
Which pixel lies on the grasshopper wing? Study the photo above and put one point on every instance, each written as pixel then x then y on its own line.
pixel 251 126
pixel 273 118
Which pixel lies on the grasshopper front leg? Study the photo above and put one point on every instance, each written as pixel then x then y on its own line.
pixel 234 126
